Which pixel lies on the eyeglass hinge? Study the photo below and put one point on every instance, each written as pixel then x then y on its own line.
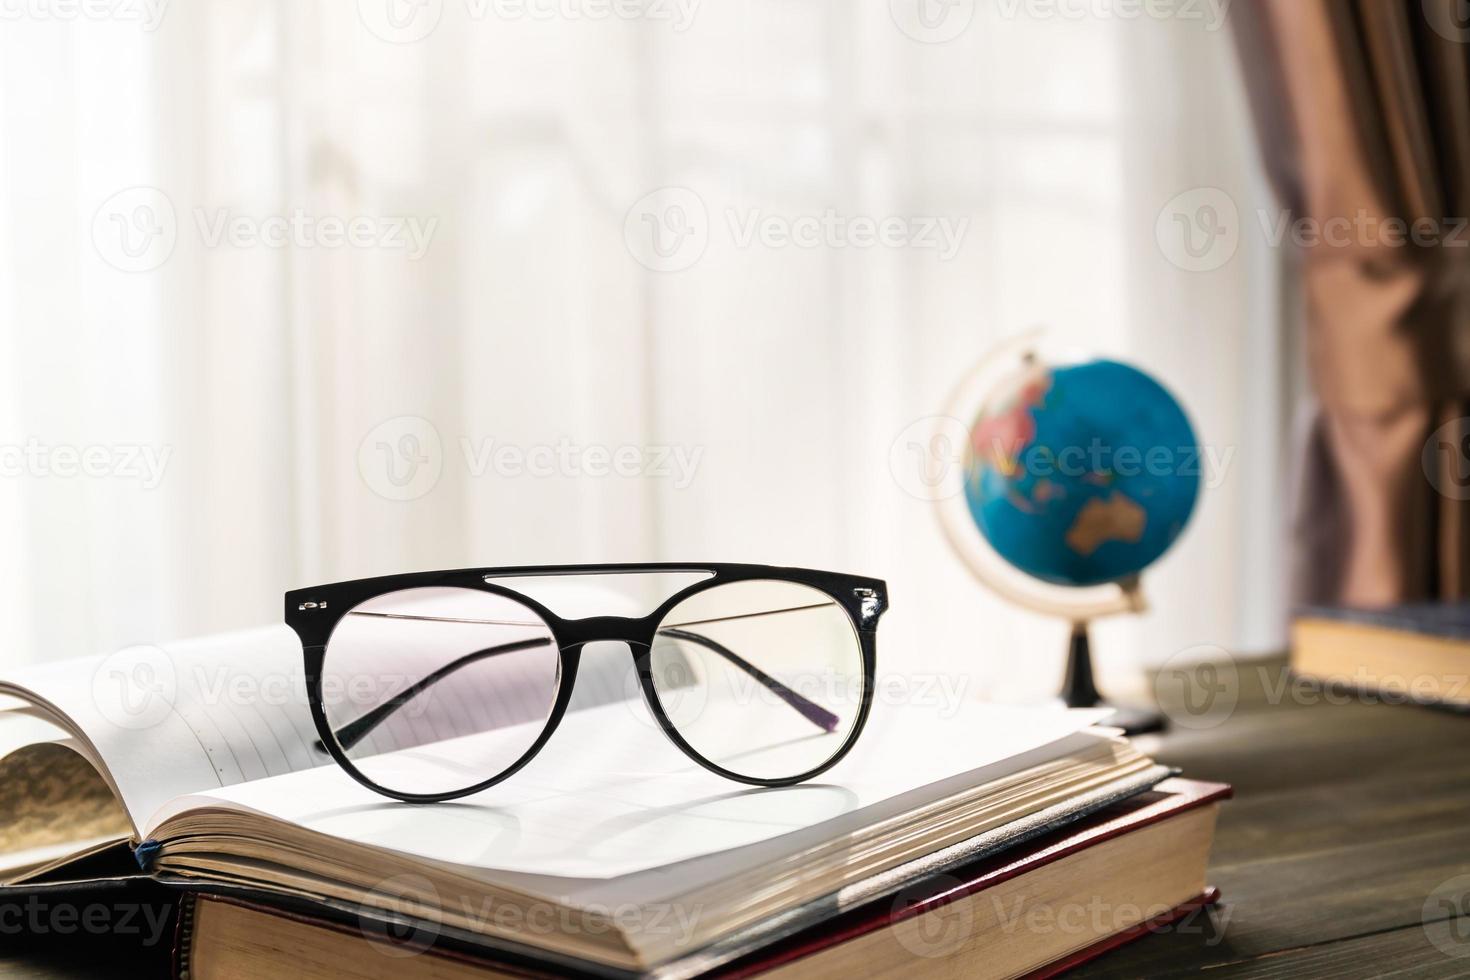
pixel 872 606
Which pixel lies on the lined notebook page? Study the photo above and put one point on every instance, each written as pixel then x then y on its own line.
pixel 194 715
pixel 179 717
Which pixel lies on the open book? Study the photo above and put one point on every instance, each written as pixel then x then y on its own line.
pixel 198 763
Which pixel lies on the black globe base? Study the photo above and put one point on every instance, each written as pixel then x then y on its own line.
pixel 1134 721
pixel 1079 690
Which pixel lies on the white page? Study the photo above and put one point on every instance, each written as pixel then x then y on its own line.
pixel 187 716
pixel 610 796
pixel 19 729
pixel 181 717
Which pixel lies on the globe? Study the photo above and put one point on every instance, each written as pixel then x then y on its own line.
pixel 1081 475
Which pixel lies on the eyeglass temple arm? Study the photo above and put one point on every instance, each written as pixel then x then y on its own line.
pixel 812 712
pixel 355 731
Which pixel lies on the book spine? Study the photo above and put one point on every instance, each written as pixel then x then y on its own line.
pixel 184 937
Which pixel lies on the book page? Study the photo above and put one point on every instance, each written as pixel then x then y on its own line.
pixel 174 718
pixel 18 728
pixel 52 802
pixel 610 795
pixel 169 719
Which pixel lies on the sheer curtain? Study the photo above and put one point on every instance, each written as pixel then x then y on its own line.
pixel 503 365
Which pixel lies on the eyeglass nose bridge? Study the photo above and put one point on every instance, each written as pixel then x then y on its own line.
pixel 598 629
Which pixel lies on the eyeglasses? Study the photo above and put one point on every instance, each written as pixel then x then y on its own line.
pixel 436 685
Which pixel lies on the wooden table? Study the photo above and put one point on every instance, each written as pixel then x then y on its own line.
pixel 1347 818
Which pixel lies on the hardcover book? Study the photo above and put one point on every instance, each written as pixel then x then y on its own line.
pixel 1037 909
pixel 1417 653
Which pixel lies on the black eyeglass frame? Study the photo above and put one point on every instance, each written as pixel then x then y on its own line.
pixel 315 612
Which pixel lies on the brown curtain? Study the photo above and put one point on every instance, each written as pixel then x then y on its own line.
pixel 1363 114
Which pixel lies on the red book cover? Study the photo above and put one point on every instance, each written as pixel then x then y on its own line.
pixel 1169 799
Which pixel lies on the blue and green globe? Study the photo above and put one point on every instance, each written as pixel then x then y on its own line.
pixel 1084 474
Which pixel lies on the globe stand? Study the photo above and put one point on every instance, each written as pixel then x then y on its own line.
pixel 1080 691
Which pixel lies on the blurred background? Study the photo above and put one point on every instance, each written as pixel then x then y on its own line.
pixel 302 291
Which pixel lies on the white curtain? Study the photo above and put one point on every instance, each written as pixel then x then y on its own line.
pixel 172 286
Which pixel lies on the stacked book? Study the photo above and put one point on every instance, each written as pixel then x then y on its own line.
pixel 955 840
pixel 1417 653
